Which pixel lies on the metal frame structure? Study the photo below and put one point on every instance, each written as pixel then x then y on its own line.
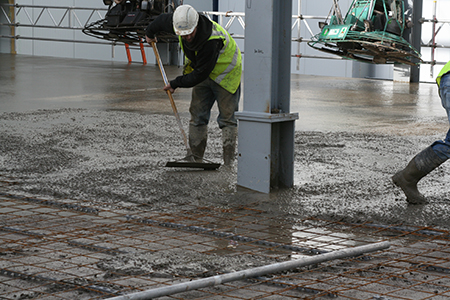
pixel 432 42
pixel 71 20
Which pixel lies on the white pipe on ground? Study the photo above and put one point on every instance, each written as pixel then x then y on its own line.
pixel 254 272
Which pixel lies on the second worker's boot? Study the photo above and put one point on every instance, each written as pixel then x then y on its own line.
pixel 229 145
pixel 198 137
pixel 421 165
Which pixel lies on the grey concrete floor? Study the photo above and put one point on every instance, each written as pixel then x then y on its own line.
pixel 30 83
pixel 404 117
pixel 92 134
pixel 323 103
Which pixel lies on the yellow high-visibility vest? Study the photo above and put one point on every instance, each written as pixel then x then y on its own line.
pixel 228 70
pixel 444 71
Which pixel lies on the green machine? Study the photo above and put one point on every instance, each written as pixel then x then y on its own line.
pixel 370 32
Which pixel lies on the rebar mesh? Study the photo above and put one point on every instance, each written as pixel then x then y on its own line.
pixel 62 249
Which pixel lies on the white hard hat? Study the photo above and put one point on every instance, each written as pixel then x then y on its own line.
pixel 185 19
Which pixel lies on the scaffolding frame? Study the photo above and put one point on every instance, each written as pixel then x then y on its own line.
pixel 432 42
pixel 71 19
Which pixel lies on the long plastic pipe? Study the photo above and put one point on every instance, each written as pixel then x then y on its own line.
pixel 254 272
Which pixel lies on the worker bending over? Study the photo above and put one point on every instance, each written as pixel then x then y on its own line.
pixel 213 68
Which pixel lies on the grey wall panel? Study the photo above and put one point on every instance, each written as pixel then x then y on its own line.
pixel 5 44
pixel 200 5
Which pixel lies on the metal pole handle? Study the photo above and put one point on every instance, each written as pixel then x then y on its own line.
pixel 172 102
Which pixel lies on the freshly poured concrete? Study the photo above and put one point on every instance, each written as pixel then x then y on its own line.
pixel 98 134
pixel 102 132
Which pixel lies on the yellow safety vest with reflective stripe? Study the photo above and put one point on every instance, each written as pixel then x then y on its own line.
pixel 228 70
pixel 444 71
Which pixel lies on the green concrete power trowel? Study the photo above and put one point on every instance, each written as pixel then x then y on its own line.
pixel 190 161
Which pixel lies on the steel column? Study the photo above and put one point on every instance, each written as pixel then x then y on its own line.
pixel 266 127
pixel 416 36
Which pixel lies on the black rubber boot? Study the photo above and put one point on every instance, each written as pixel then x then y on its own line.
pixel 421 165
pixel 229 145
pixel 198 136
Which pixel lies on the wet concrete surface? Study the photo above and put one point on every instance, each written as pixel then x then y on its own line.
pixel 100 133
pixel 30 83
pixel 103 131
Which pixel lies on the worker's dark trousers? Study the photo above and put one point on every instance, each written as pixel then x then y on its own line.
pixel 442 148
pixel 204 95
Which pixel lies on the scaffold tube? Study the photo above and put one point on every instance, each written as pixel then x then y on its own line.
pixel 253 272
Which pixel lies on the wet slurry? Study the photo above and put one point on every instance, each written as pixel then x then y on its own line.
pixel 102 132
pixel 83 148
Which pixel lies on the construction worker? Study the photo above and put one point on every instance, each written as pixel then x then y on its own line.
pixel 213 68
pixel 433 156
